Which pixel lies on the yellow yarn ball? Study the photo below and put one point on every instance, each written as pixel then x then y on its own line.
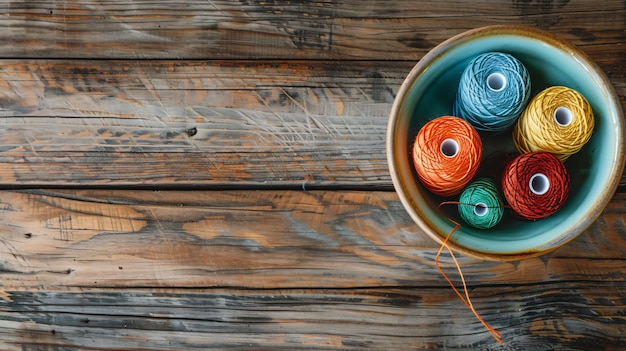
pixel 558 120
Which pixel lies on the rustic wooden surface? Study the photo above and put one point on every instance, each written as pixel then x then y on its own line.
pixel 212 175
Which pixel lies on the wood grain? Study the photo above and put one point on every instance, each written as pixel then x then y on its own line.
pixel 173 270
pixel 284 239
pixel 210 124
pixel 255 29
pixel 578 318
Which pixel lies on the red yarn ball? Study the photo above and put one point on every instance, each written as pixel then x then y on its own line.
pixel 535 185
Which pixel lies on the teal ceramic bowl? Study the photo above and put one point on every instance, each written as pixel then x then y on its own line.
pixel 429 91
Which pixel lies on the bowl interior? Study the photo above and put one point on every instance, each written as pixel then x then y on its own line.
pixel 429 92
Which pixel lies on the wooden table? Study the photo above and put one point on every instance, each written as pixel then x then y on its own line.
pixel 195 175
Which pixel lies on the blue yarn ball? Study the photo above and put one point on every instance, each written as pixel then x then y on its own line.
pixel 493 91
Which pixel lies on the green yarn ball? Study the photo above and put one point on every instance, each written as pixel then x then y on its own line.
pixel 480 204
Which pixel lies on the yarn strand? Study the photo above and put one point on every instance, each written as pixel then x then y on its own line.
pixel 465 296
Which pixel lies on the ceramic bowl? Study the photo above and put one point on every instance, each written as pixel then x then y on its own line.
pixel 429 91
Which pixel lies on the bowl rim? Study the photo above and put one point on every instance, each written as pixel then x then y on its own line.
pixel 513 30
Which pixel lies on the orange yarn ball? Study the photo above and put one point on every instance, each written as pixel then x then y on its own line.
pixel 446 155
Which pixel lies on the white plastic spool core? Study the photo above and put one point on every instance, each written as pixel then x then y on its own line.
pixel 496 81
pixel 449 147
pixel 563 116
pixel 481 209
pixel 539 184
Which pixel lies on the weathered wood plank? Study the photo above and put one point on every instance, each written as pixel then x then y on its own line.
pixel 192 123
pixel 252 29
pixel 284 239
pixel 532 317
pixel 198 124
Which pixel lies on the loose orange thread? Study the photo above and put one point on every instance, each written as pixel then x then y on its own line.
pixel 466 299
